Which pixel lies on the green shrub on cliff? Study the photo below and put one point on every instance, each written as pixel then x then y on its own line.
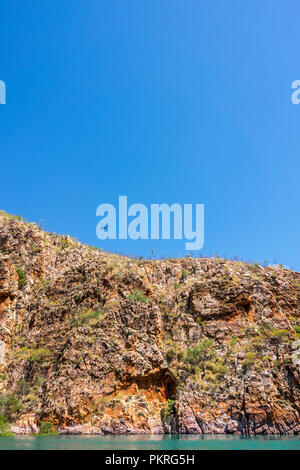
pixel 199 353
pixel 184 274
pixel 10 405
pixel 23 387
pixel 5 430
pixel 11 216
pixel 232 346
pixel 36 249
pixel 34 354
pixel 47 428
pixel 89 317
pixel 175 351
pixel 138 296
pixel 249 360
pixel 297 285
pixel 217 367
pixel 168 409
pixel 21 276
pixel 278 334
pixel 170 354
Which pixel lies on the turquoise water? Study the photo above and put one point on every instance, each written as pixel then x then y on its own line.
pixel 151 442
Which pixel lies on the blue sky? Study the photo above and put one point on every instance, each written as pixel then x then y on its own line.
pixel 174 101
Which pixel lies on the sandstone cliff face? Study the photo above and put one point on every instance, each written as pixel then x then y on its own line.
pixel 99 343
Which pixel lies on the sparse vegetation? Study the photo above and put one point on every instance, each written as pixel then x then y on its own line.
pixel 10 405
pixel 35 250
pixel 47 428
pixel 217 367
pixel 278 334
pixel 34 354
pixel 138 296
pixel 5 430
pixel 168 409
pixel 174 351
pixel 184 274
pixel 250 359
pixel 11 216
pixel 21 276
pixel 200 353
pixel 89 317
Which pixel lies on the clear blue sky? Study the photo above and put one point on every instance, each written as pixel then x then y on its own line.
pixel 162 101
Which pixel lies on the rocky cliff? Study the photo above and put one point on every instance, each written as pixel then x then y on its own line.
pixel 99 343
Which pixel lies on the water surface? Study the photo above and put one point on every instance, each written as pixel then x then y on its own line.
pixel 151 442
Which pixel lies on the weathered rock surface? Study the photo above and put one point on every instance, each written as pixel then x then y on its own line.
pixel 100 343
